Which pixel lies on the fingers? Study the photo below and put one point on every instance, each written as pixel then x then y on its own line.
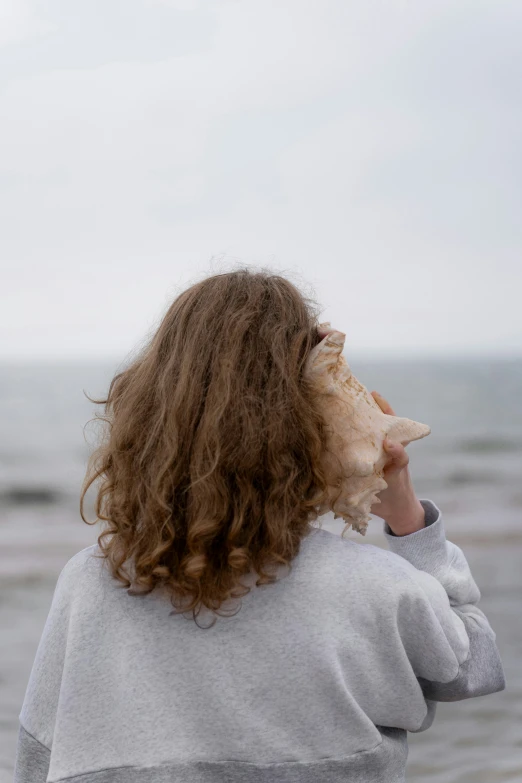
pixel 397 452
pixel 383 404
pixel 324 329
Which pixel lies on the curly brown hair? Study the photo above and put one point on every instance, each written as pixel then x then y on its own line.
pixel 211 459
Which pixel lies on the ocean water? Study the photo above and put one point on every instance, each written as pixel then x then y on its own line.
pixel 470 466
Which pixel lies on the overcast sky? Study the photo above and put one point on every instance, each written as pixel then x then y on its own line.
pixel 369 150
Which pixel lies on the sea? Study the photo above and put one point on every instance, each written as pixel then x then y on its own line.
pixel 470 466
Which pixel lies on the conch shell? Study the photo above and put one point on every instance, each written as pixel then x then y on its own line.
pixel 356 431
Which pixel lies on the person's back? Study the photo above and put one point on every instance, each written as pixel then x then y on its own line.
pixel 317 676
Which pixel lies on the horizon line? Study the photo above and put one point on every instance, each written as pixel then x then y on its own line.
pixel 353 356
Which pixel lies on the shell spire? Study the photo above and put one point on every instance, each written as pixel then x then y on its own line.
pixel 326 365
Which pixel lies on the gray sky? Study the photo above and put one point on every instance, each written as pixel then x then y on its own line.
pixel 368 150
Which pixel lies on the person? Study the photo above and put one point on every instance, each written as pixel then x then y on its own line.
pixel 210 478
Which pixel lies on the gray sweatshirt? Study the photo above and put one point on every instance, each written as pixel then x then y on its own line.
pixel 318 677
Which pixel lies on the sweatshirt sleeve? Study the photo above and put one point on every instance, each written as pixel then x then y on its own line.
pixel 448 639
pixel 38 713
pixel 32 759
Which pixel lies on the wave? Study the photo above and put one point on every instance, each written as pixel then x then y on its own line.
pixel 462 477
pixel 489 445
pixel 22 496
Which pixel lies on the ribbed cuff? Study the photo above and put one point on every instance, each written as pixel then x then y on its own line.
pixel 425 548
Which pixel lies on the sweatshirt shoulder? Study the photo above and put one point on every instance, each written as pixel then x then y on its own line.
pixel 78 561
pixel 373 563
pixel 78 566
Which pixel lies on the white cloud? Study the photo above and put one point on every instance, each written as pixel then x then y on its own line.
pixel 178 5
pixel 18 23
pixel 326 137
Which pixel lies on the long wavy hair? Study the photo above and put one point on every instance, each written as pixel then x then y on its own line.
pixel 210 461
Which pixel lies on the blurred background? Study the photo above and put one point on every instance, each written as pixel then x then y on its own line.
pixel 370 152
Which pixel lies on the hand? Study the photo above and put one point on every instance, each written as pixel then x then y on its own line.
pixel 399 505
